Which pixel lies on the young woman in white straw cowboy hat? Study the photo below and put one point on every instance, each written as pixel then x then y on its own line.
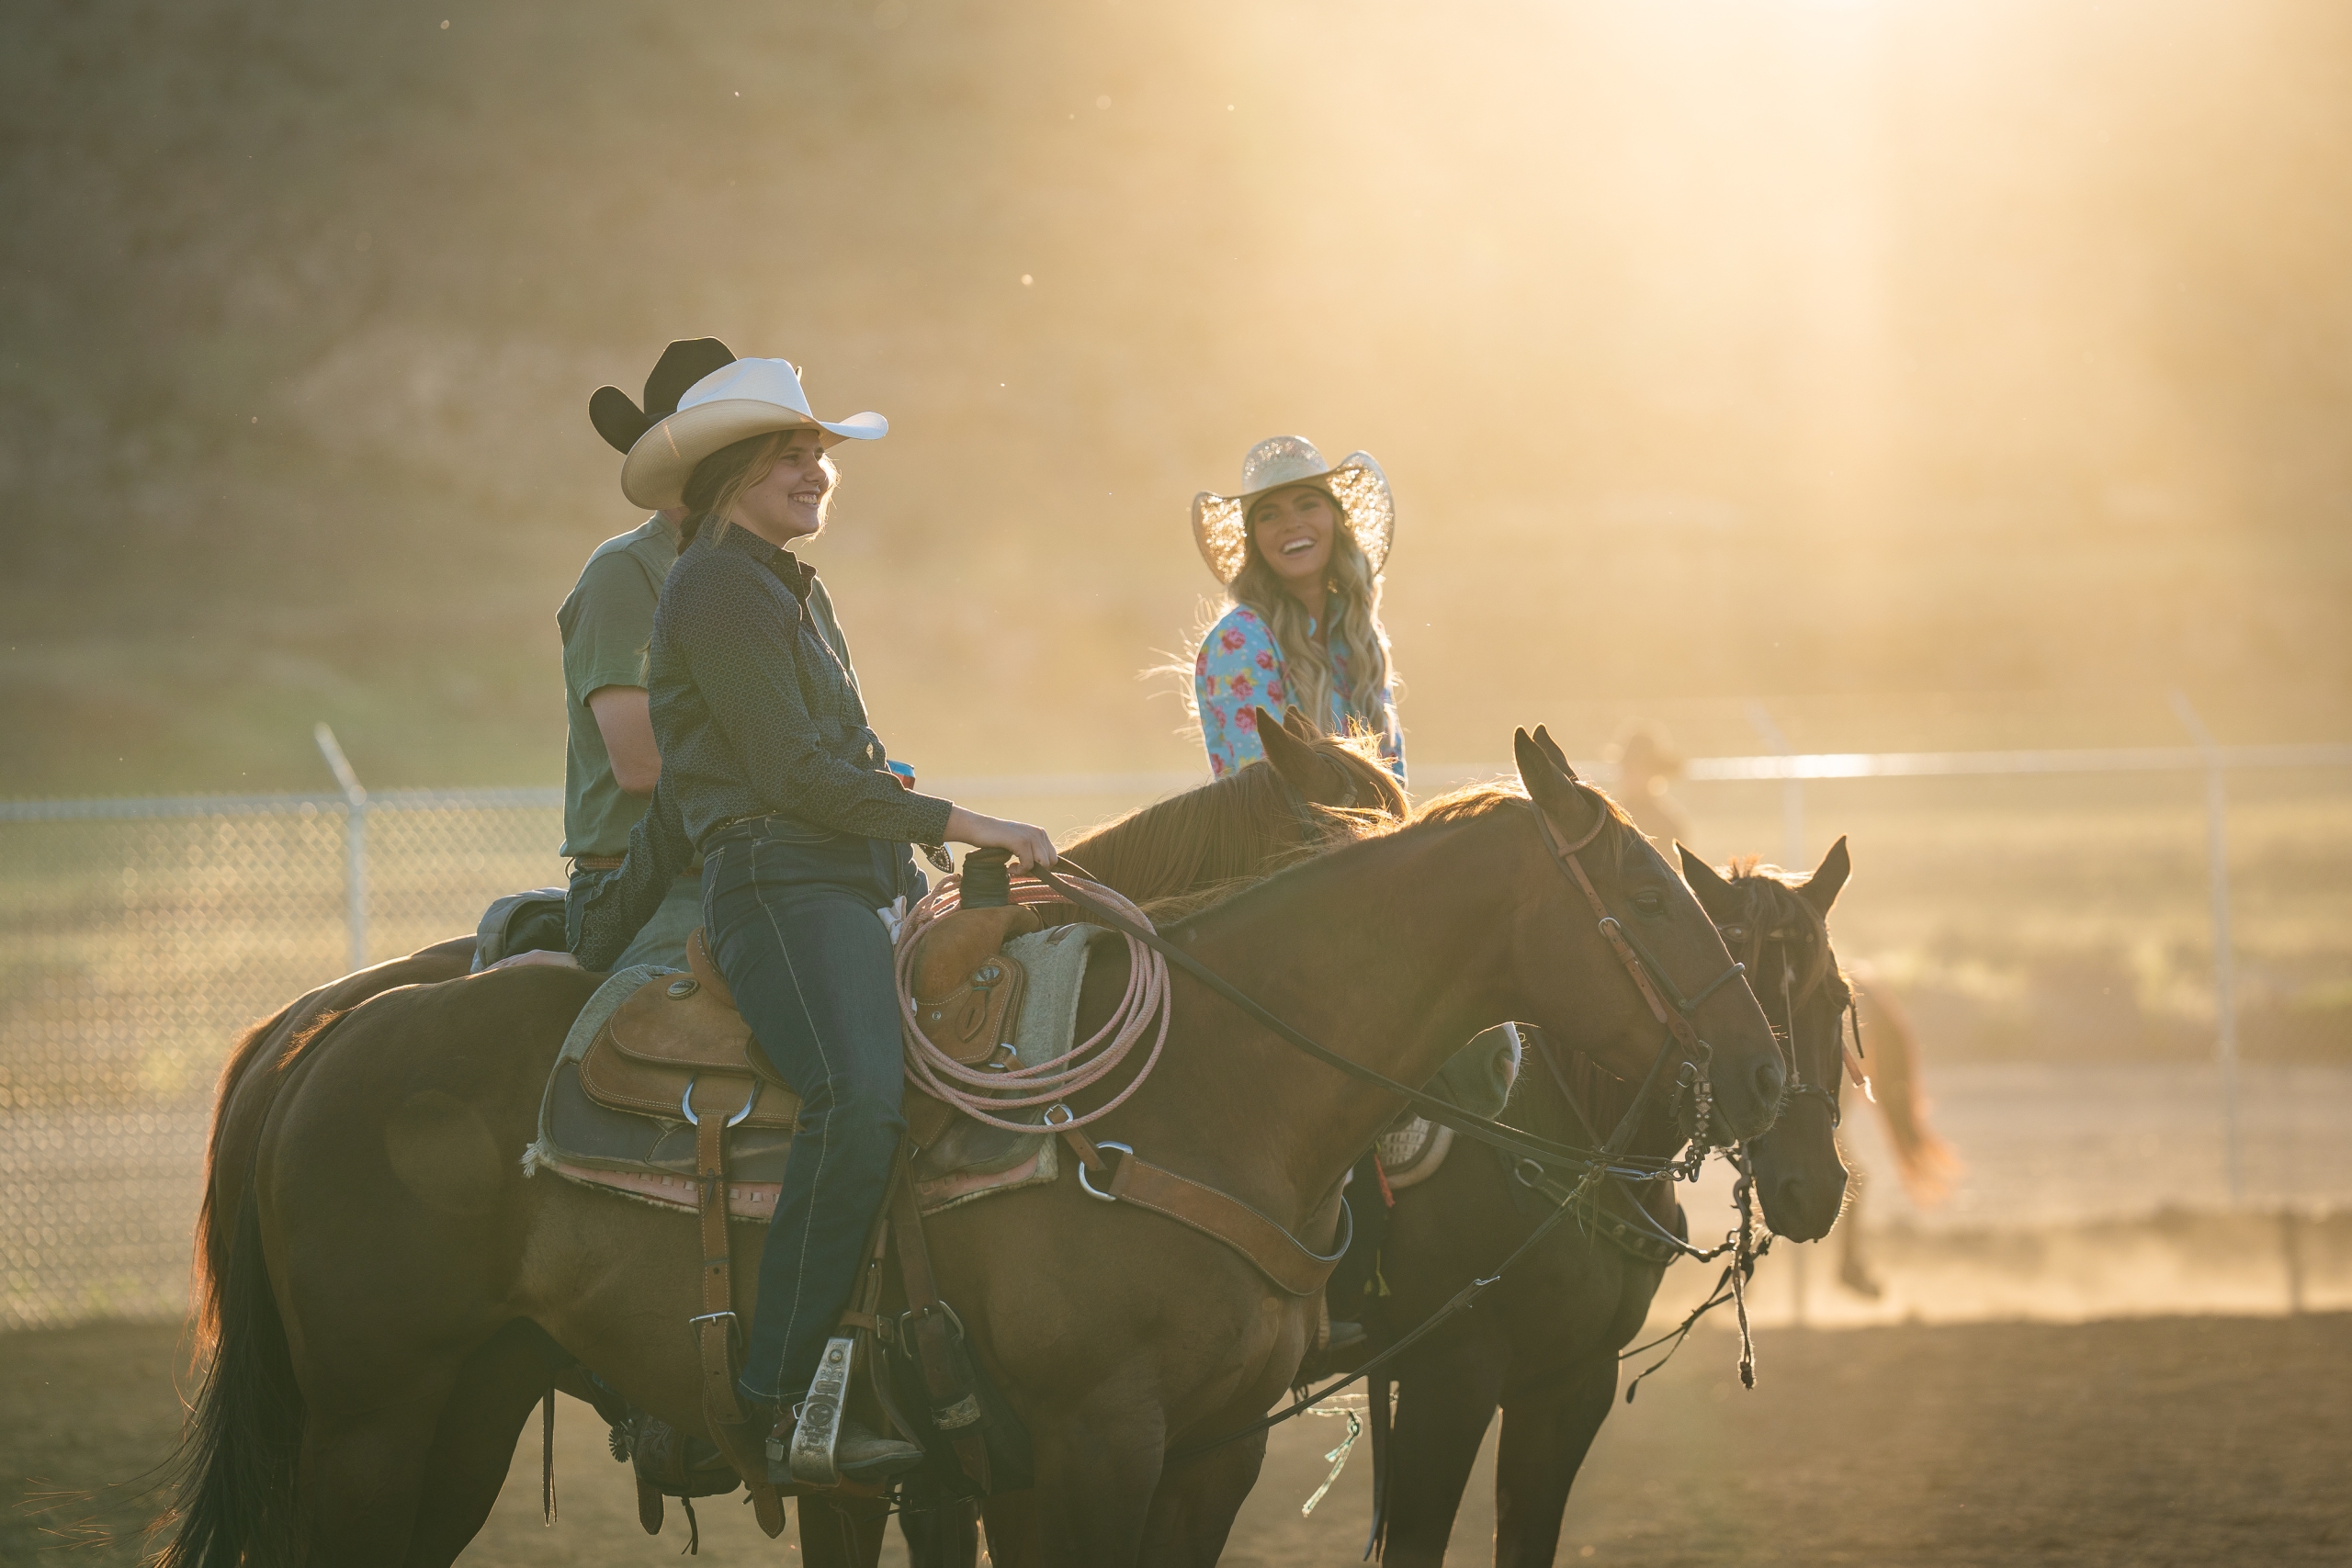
pixel 771 774
pixel 1299 551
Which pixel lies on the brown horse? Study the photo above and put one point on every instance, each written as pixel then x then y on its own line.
pixel 1543 1344
pixel 1315 791
pixel 1922 1159
pixel 389 1240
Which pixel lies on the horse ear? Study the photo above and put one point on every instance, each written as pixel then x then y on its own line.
pixel 1572 808
pixel 1295 722
pixel 1721 900
pixel 1551 749
pixel 1295 761
pixel 1821 888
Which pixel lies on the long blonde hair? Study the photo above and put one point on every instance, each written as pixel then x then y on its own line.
pixel 1355 627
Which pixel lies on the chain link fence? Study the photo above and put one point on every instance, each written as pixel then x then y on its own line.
pixel 138 938
pixel 2029 919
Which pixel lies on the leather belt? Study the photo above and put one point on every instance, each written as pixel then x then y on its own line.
pixel 614 862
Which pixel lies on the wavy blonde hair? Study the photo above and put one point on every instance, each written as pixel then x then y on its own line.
pixel 1355 629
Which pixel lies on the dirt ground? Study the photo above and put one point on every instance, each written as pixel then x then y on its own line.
pixel 2157 1441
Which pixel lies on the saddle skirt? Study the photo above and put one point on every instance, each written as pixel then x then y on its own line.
pixel 655 1049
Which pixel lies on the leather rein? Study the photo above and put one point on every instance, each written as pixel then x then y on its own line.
pixel 1656 986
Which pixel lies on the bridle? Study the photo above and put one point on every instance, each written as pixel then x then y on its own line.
pixel 1658 989
pixel 1757 939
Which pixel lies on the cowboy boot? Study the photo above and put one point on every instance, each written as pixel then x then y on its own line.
pixel 860 1455
pixel 676 1464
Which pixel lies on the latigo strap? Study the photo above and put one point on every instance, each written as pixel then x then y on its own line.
pixel 709 1109
pixel 954 1405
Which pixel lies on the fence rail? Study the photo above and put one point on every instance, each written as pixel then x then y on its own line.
pixel 139 936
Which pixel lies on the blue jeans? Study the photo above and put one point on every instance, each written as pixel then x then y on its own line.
pixel 790 913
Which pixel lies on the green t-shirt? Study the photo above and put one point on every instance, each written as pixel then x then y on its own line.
pixel 606 623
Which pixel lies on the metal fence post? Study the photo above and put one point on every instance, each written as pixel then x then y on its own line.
pixel 1792 856
pixel 2217 853
pixel 354 843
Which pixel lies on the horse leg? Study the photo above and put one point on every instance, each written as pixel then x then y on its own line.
pixel 1098 1465
pixel 1012 1530
pixel 1193 1511
pixel 1548 1427
pixel 473 1443
pixel 365 1456
pixel 1445 1400
pixel 944 1536
pixel 839 1531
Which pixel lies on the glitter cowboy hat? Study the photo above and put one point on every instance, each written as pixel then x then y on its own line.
pixel 750 397
pixel 1220 523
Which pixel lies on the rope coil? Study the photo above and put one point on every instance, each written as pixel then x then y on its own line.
pixel 985 1095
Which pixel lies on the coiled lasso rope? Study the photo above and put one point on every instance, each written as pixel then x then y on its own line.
pixel 982 1094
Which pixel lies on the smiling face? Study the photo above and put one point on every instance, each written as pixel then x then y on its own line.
pixel 789 502
pixel 1294 528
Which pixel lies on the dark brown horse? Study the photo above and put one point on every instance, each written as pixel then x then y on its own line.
pixel 389 1241
pixel 1543 1344
pixel 1315 791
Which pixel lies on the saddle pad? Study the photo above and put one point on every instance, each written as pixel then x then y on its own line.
pixel 651 1158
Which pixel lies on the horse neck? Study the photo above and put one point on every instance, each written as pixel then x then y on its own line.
pixel 1575 1099
pixel 1385 952
pixel 1193 840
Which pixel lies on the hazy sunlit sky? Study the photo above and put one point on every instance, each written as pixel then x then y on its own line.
pixel 1716 350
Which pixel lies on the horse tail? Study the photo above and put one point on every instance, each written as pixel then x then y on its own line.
pixel 1890 1057
pixel 214 1239
pixel 238 1460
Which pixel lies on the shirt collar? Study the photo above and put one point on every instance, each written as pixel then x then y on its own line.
pixel 794 572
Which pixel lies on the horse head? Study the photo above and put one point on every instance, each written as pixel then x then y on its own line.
pixel 1778 925
pixel 1336 773
pixel 1599 875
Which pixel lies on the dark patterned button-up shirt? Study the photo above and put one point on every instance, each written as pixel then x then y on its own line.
pixel 756 710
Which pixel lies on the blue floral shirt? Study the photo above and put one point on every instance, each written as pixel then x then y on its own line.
pixel 1239 669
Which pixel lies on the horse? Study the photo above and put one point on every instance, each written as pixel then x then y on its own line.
pixel 1313 791
pixel 1544 1344
pixel 388 1239
pixel 1927 1164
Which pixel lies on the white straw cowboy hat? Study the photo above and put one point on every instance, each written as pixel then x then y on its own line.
pixel 1221 522
pixel 751 397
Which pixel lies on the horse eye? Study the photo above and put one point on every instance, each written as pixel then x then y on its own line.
pixel 1733 933
pixel 1650 902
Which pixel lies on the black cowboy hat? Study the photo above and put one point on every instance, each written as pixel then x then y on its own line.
pixel 684 362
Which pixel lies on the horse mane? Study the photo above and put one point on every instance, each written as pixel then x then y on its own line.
pixel 1495 794
pixel 1189 852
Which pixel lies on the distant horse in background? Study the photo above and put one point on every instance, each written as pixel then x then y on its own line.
pixel 1544 1345
pixel 1890 1061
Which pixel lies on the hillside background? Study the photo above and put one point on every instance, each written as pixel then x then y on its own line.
pixel 1947 373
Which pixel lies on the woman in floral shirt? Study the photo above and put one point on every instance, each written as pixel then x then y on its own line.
pixel 1300 552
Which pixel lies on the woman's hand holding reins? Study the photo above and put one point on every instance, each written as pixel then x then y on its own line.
pixel 1029 846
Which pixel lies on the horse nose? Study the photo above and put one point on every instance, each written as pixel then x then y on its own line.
pixel 1769 1081
pixel 1788 1198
